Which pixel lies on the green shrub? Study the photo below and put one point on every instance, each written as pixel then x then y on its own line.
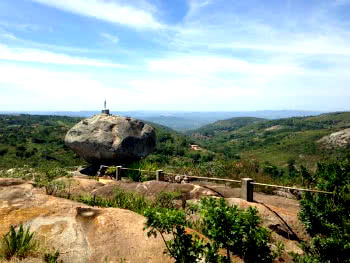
pixel 51 257
pixel 228 227
pixel 54 187
pixel 47 174
pixel 183 247
pixel 326 217
pixel 18 243
pixel 236 230
pixel 111 171
pixel 132 201
pixel 3 151
pixel 167 199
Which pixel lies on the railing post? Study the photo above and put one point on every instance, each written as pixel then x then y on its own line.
pixel 160 175
pixel 118 173
pixel 247 189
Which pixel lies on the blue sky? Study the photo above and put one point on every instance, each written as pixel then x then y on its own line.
pixel 189 55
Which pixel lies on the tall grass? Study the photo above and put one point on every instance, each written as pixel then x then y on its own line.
pixel 18 243
pixel 131 201
pixel 121 199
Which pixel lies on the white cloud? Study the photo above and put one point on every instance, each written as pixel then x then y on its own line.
pixel 42 56
pixel 305 46
pixel 110 11
pixel 29 88
pixel 196 65
pixel 114 39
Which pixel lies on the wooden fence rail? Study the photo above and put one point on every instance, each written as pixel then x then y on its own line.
pixel 247 184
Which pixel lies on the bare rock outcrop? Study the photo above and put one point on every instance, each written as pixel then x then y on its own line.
pixel 336 139
pixel 81 233
pixel 110 139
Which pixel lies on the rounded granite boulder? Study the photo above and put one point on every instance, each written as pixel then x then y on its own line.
pixel 111 139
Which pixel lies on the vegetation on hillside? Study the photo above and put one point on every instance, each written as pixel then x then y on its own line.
pixel 38 141
pixel 275 141
pixel 279 151
pixel 35 141
pixel 228 125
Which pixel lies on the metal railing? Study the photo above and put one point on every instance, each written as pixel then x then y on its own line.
pixel 247 184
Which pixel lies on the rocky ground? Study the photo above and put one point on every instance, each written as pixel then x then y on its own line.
pixel 91 234
pixel 336 139
pixel 81 233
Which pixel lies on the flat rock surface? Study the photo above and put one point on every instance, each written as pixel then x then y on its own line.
pixel 81 233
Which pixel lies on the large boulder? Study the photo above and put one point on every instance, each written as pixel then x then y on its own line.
pixel 110 139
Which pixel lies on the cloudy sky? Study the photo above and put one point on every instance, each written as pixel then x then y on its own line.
pixel 198 55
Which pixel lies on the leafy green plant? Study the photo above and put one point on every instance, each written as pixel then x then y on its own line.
pixel 236 230
pixel 51 257
pixel 167 199
pixel 18 243
pixel 183 247
pixel 326 217
pixel 111 171
pixel 54 187
pixel 49 173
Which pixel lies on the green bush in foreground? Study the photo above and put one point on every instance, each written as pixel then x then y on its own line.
pixel 236 230
pixel 183 247
pixel 18 243
pixel 327 217
pixel 228 227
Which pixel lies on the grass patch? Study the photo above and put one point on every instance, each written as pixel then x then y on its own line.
pixel 131 201
pixel 18 243
pixel 121 199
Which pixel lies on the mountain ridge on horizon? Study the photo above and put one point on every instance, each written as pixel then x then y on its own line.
pixel 181 120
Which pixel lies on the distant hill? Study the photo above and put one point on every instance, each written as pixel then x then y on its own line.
pixel 180 120
pixel 276 141
pixel 224 126
pixel 176 123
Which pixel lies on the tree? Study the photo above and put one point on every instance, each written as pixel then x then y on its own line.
pixel 236 230
pixel 327 217
pixel 183 247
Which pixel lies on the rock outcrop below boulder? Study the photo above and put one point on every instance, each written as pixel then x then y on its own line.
pixel 110 139
pixel 81 233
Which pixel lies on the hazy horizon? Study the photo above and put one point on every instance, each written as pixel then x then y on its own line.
pixel 183 55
